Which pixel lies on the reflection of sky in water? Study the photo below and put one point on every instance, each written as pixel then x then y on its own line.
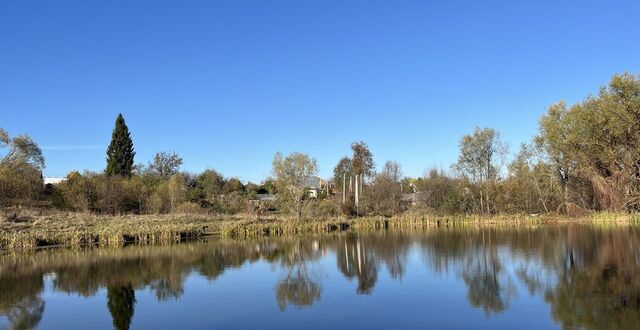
pixel 409 280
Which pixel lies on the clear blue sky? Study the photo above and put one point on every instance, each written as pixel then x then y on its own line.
pixel 228 83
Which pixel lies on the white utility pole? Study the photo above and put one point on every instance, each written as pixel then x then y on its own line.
pixel 357 210
pixel 344 186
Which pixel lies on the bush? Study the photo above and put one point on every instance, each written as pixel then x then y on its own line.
pixel 78 192
pixel 234 202
pixel 54 196
pixel 190 208
pixel 322 208
pixel 145 194
pixel 159 200
pixel 111 195
pixel 348 208
pixel 20 184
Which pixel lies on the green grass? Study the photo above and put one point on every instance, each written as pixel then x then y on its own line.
pixel 75 229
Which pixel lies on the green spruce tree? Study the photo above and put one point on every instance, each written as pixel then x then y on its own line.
pixel 120 152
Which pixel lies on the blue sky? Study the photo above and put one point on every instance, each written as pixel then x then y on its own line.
pixel 228 83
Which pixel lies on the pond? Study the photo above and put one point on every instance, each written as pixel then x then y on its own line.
pixel 544 277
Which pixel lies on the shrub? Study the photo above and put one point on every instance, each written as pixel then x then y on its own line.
pixel 20 184
pixel 78 192
pixel 189 208
pixel 322 208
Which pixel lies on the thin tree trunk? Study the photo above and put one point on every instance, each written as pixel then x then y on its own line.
pixel 481 202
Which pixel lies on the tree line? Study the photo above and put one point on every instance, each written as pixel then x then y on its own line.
pixel 585 157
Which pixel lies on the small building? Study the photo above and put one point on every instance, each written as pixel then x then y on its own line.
pixel 316 185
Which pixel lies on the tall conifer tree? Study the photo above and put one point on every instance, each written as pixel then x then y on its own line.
pixel 120 152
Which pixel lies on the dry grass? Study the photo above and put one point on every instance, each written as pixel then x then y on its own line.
pixel 77 229
pixel 38 228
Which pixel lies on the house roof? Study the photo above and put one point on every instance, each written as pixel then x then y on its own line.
pixel 313 182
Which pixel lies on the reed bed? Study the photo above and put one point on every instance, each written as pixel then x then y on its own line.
pixel 73 229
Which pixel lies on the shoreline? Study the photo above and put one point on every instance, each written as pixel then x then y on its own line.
pixel 81 230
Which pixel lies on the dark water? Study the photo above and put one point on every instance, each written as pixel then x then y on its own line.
pixel 492 278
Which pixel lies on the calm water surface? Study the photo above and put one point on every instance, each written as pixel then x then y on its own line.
pixel 452 278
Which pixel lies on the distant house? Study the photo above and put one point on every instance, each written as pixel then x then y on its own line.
pixel 53 180
pixel 263 201
pixel 316 185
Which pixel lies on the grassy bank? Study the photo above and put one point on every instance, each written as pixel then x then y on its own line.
pixel 75 229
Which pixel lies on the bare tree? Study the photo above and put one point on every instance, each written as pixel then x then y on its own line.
pixel 385 195
pixel 291 174
pixel 362 160
pixel 21 163
pixel 393 171
pixel 481 157
pixel 165 163
pixel 341 172
pixel 19 150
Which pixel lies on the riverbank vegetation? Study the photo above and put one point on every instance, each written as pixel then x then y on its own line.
pixel 78 230
pixel 585 159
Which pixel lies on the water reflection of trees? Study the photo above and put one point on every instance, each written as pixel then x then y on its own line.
pixel 481 274
pixel 26 313
pixel 360 256
pixel 598 286
pixel 474 255
pixel 588 276
pixel 121 301
pixel 21 302
pixel 300 286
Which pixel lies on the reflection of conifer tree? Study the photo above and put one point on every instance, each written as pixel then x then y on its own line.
pixel 121 301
